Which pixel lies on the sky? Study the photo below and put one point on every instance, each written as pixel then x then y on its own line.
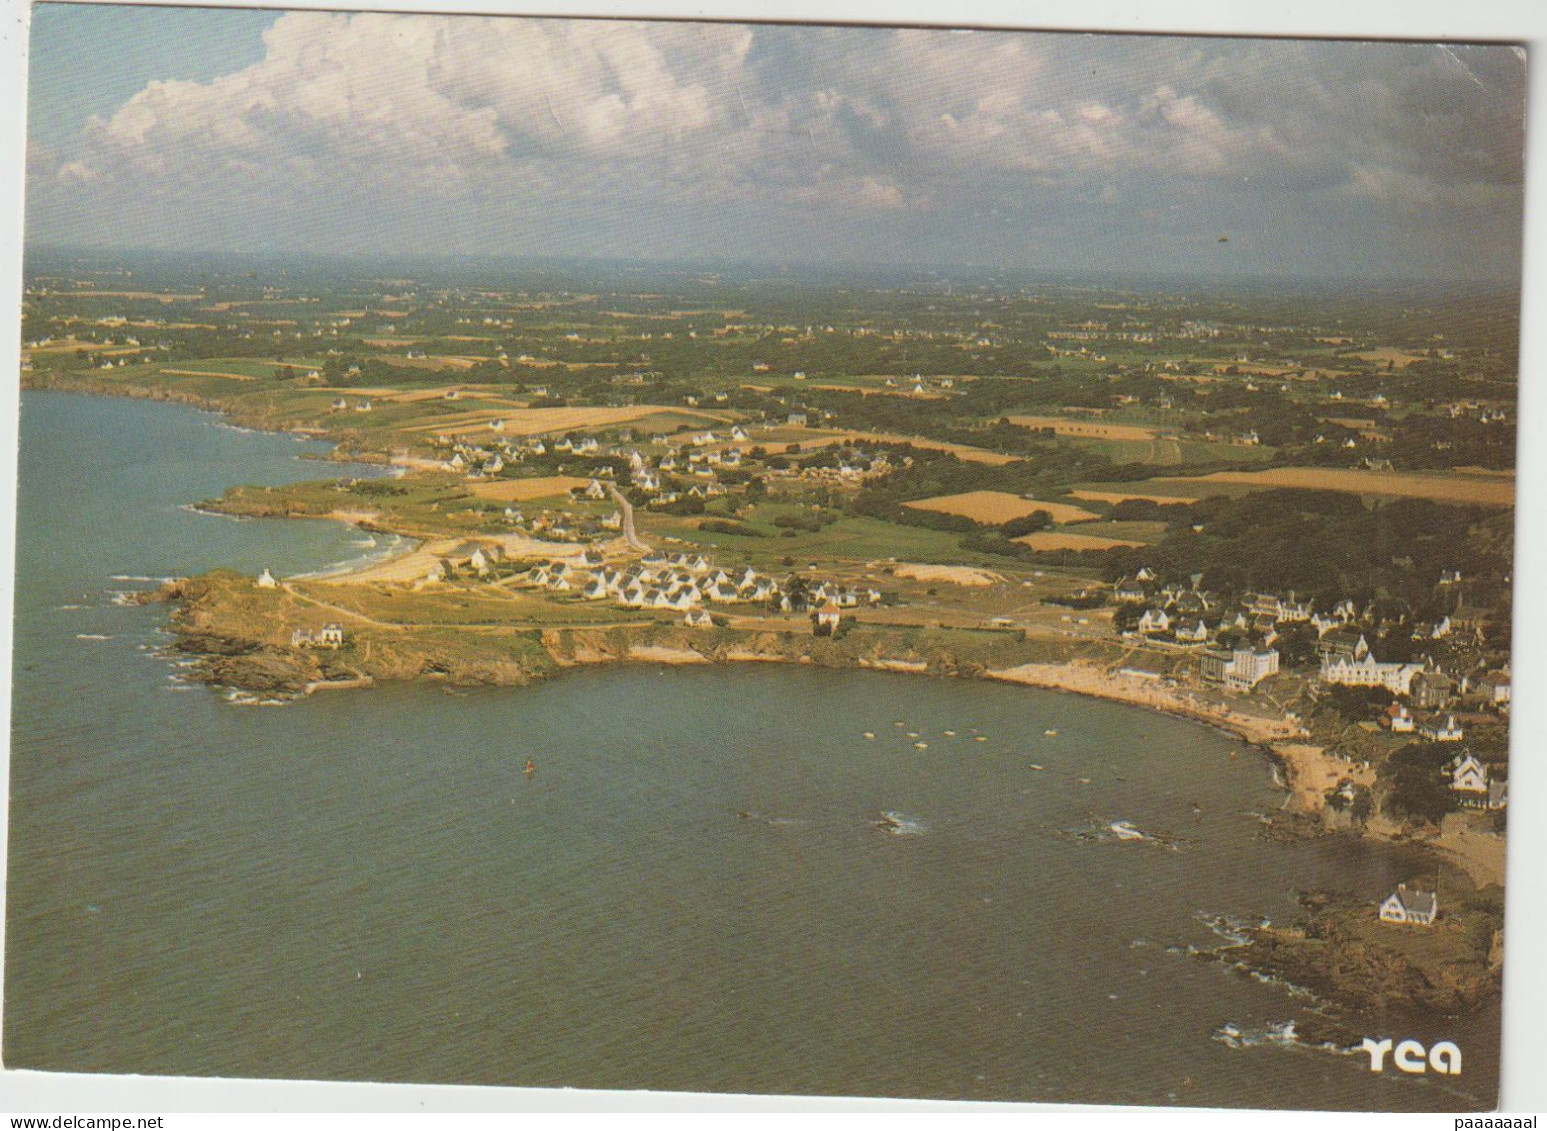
pixel 229 130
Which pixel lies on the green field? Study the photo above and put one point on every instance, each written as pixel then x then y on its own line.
pixel 861 539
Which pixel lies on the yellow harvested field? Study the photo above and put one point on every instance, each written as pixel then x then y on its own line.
pixel 1091 429
pixel 1124 496
pixel 1058 540
pixel 995 507
pixel 1399 359
pixel 429 362
pixel 1440 487
pixel 955 575
pixel 520 490
pixel 814 439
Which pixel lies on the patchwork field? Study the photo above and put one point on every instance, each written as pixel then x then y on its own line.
pixel 1398 359
pixel 542 421
pixel 994 507
pixel 1093 429
pixel 520 490
pixel 1062 540
pixel 1440 487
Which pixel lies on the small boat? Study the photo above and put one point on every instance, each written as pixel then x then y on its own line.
pixel 921 746
pixel 869 734
pixel 1124 830
pixel 1034 766
pixel 1050 733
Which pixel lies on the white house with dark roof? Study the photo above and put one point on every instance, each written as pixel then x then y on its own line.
pixel 1410 906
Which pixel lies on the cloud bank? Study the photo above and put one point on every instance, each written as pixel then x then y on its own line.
pixel 423 133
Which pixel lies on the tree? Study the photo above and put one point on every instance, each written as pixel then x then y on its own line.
pixel 1419 789
pixel 1026 524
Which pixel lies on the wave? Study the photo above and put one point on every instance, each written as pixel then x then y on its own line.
pixel 248 699
pixel 92 636
pixel 194 508
pixel 142 578
pixel 1276 1034
pixel 899 824
pixel 382 548
pixel 1122 831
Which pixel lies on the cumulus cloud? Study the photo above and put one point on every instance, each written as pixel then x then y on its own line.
pixel 492 113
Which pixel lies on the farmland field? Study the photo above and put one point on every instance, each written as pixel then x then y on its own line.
pixel 994 507
pixel 543 421
pixel 1093 429
pixel 1440 487
pixel 520 490
pixel 1398 359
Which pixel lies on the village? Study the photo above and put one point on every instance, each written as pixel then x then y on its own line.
pixel 1113 487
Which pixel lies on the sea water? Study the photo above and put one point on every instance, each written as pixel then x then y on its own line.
pixel 713 881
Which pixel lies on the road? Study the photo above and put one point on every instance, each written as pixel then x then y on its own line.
pixel 628 519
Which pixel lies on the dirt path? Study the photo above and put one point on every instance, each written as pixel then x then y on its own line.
pixel 628 519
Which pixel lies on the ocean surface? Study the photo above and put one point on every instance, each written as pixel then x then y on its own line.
pixel 691 892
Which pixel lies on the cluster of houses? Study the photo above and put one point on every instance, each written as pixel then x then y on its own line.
pixel 330 635
pixel 689 467
pixel 1189 616
pixel 684 582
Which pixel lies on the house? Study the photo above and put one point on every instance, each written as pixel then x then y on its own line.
pixel 1241 668
pixel 1498 795
pixel 1399 719
pixel 698 617
pixel 827 619
pixel 267 580
pixel 1441 728
pixel 480 561
pixel 1469 777
pixel 1128 589
pixel 1191 630
pixel 1369 672
pixel 1155 620
pixel 1431 690
pixel 1410 905
pixel 331 636
pixel 595 490
pixel 796 420
pixel 1342 644
pixel 1494 687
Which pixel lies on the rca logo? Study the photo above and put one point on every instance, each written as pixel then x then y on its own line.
pixel 1409 1056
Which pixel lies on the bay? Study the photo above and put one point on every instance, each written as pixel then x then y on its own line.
pixel 690 893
